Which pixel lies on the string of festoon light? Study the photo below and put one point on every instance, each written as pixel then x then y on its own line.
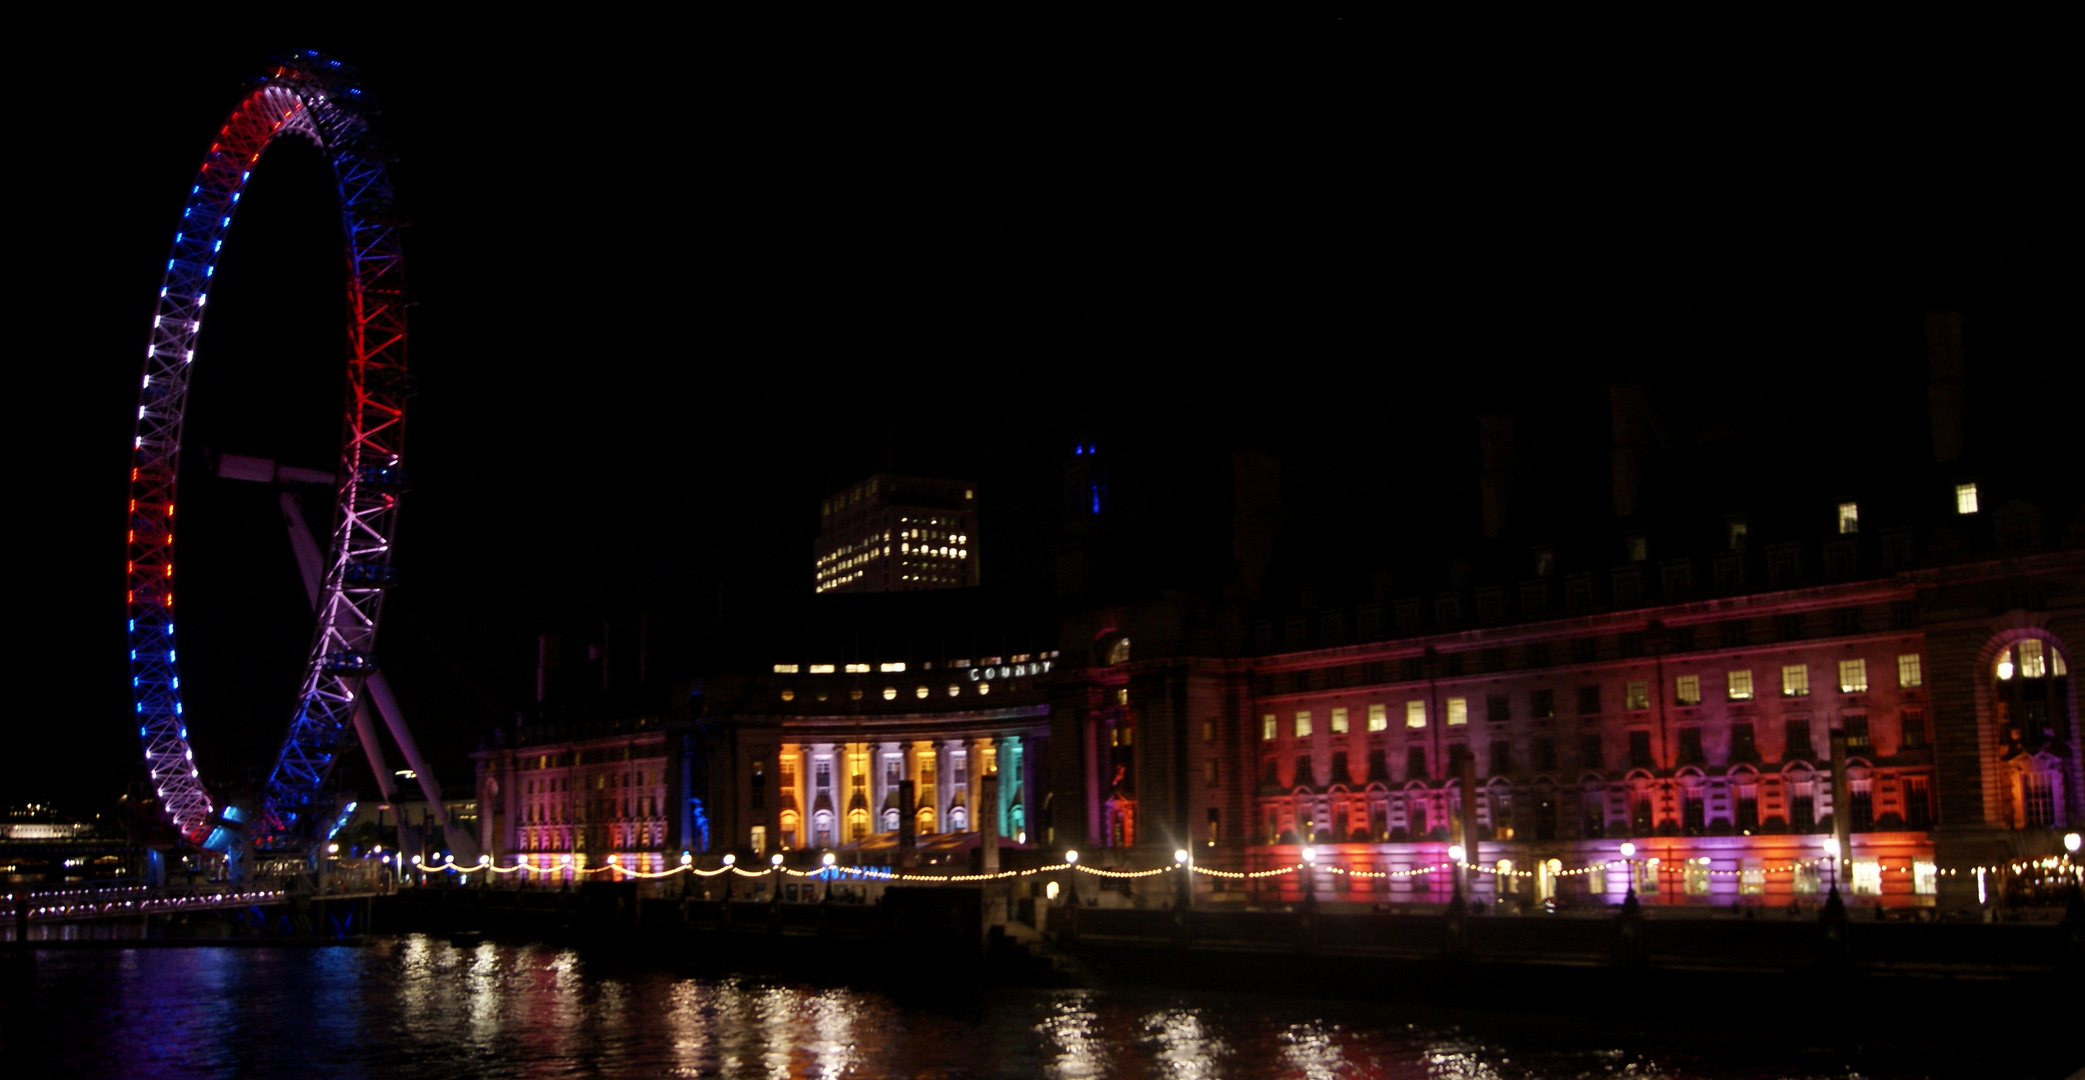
pixel 830 869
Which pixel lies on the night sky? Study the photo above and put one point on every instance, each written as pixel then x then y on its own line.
pixel 677 284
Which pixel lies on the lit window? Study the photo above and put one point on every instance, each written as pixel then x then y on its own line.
pixel 1849 518
pixel 920 693
pixel 1795 680
pixel 1378 717
pixel 1415 714
pixel 1965 498
pixel 821 669
pixel 785 669
pixel 1267 724
pixel 2033 664
pixel 1867 877
pixel 1925 877
pixel 890 693
pixel 890 667
pixel 1853 676
pixel 857 669
pixel 1687 690
pixel 1303 724
pixel 1909 671
pixel 1741 685
pixel 1638 695
pixel 1458 711
pixel 1339 721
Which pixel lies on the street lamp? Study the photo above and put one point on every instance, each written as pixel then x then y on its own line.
pixel 1071 877
pixel 1183 859
pixel 1832 855
pixel 828 862
pixel 730 862
pixel 1629 869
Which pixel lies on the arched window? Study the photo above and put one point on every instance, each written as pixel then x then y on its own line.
pixel 890 819
pixel 821 828
pixel 2031 709
pixel 958 820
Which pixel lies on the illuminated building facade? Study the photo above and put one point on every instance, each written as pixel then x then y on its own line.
pixel 1919 721
pixel 566 799
pixel 898 533
pixel 876 720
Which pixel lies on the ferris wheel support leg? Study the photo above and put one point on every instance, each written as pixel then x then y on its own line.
pixel 461 843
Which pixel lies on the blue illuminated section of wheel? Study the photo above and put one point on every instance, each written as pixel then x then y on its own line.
pixel 316 98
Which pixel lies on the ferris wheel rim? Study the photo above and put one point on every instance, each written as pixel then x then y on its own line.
pixel 315 97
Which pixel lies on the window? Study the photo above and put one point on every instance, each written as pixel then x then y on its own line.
pixel 1589 701
pixel 1458 711
pixel 1862 794
pixel 1795 680
pixel 1853 676
pixel 1752 877
pixel 1748 807
pixel 1743 746
pixel 1849 518
pixel 1918 803
pixel 1339 721
pixel 1305 776
pixel 1802 805
pixel 1805 878
pixel 1856 726
pixel 1910 671
pixel 1913 724
pixel 2038 799
pixel 1637 695
pixel 1208 731
pixel 1542 704
pixel 1415 714
pixel 1303 724
pixel 1498 707
pixel 1640 750
pixel 1690 746
pixel 1267 725
pixel 1378 718
pixel 1209 772
pixel 1415 763
pixel 1546 754
pixel 2034 662
pixel 1795 739
pixel 1925 877
pixel 1697 877
pixel 1686 690
pixel 1590 757
pixel 1340 772
pixel 1457 754
pixel 1965 498
pixel 1867 877
pixel 1501 757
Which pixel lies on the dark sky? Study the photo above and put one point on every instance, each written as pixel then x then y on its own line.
pixel 677 283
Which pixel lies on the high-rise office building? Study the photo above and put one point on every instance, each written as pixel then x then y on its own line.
pixel 894 533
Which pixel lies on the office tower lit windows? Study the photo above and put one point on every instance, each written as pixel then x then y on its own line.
pixel 897 533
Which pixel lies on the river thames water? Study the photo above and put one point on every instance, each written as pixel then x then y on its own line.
pixel 416 1007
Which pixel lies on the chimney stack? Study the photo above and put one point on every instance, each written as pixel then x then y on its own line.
pixel 1495 475
pixel 1630 419
pixel 1944 384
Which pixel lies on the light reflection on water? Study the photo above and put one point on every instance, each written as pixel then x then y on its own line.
pixel 415 1008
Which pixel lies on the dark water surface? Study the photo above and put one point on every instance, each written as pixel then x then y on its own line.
pixel 414 1008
